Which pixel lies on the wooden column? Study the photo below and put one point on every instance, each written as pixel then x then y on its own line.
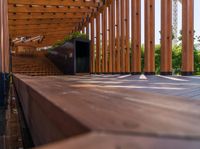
pixel 166 37
pixel 149 59
pixel 113 36
pixel 127 59
pixel 87 29
pixel 110 40
pixel 188 35
pixel 98 54
pixel 118 56
pixel 1 38
pixel 136 37
pixel 92 47
pixel 4 38
pixel 122 36
pixel 104 41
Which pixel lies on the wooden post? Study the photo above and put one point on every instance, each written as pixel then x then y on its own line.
pixel 98 53
pixel 113 36
pixel 87 29
pixel 118 51
pixel 4 48
pixel 136 37
pixel 4 51
pixel 149 63
pixel 92 47
pixel 110 40
pixel 122 37
pixel 166 37
pixel 188 35
pixel 104 41
pixel 1 38
pixel 127 61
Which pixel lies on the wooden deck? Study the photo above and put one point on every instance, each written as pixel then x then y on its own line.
pixel 131 111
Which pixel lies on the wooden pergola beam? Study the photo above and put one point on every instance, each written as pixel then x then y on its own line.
pixel 43 21
pixel 104 41
pixel 24 16
pixel 4 39
pixel 112 38
pixel 52 9
pixel 69 3
pixel 166 37
pixel 122 15
pixel 38 33
pixel 127 21
pixel 92 61
pixel 188 37
pixel 136 37
pixel 45 27
pixel 118 51
pixel 149 64
pixel 98 52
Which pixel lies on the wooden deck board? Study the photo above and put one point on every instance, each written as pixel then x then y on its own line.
pixel 110 141
pixel 73 105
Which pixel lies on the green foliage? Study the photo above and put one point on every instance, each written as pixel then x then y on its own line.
pixel 176 59
pixel 70 37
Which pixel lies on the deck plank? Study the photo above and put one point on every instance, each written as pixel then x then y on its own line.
pixel 81 104
pixel 110 141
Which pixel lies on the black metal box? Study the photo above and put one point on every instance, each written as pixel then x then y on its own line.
pixel 72 57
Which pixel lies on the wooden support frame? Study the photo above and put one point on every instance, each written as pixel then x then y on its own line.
pixel 136 37
pixel 98 53
pixel 149 57
pixel 112 25
pixel 103 18
pixel 92 64
pixel 118 51
pixel 188 37
pixel 127 37
pixel 110 64
pixel 25 12
pixel 4 39
pixel 166 37
pixel 122 36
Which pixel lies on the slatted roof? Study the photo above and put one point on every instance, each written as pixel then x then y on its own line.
pixel 52 19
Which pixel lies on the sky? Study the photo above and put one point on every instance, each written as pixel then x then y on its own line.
pixel 157 19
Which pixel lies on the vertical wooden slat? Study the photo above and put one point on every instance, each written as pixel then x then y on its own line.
pixel 118 56
pixel 98 70
pixel 149 63
pixel 127 66
pixel 106 40
pixel 188 35
pixel 87 29
pixel 4 41
pixel 1 39
pixel 166 37
pixel 110 40
pixel 103 42
pixel 92 47
pixel 122 37
pixel 136 37
pixel 113 36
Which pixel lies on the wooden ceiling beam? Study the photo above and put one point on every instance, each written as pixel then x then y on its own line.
pixel 45 26
pixel 71 3
pixel 43 21
pixel 14 35
pixel 24 16
pixel 39 31
pixel 42 9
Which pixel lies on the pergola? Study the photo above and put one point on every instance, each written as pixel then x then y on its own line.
pixel 108 24
pixel 51 19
